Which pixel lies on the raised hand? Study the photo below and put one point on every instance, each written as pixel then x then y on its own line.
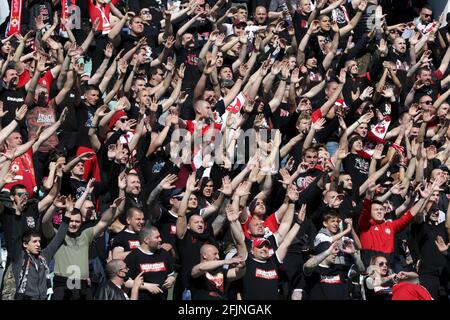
pixel 292 193
pixel 192 183
pixel 243 189
pixel 318 125
pixel 168 182
pixel 226 186
pixel 122 180
pixel 440 244
pixel 378 153
pixel 20 113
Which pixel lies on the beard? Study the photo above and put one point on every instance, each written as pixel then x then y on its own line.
pixel 227 83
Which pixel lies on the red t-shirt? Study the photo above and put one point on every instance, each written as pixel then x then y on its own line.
pixel 101 12
pixel 45 80
pixel 25 172
pixel 410 291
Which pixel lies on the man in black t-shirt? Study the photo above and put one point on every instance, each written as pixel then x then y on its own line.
pixel 128 239
pixel 433 273
pixel 156 264
pixel 209 277
pixel 324 279
pixel 85 114
pixel 262 269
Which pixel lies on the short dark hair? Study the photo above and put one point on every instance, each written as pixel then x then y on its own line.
pixel 131 211
pixel 427 6
pixel 17 186
pixel 330 214
pixel 26 237
pixel 91 87
pixel 310 149
pixel 146 232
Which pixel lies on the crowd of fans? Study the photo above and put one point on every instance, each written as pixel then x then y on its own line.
pixel 196 150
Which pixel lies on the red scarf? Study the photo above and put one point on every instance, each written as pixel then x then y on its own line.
pixel 15 17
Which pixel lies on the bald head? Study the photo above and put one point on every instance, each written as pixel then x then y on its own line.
pixel 209 252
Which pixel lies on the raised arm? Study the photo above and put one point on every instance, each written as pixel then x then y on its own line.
pixel 109 215
pixel 313 262
pixel 191 186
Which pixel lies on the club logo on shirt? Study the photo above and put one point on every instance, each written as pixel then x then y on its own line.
pixel 173 229
pixel 217 280
pixel 387 230
pixel 133 244
pixel 153 267
pixel 266 274
pixel 330 279
pixel 30 222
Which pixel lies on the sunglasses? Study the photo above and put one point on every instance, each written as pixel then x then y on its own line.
pixel 123 120
pixel 20 194
pixel 428 102
pixel 426 15
pixel 382 264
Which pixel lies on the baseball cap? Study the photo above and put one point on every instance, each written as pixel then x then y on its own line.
pixel 258 242
pixel 175 193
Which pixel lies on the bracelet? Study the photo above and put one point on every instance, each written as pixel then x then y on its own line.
pixel 283 79
pixel 17 119
pixel 240 78
pixel 291 201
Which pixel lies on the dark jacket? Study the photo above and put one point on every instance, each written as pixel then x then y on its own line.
pixel 37 283
pixel 109 291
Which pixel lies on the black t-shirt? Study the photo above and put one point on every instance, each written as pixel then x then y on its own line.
pixel 157 267
pixel 72 186
pixel 188 249
pixel 85 115
pixel 14 226
pixel 126 239
pixel 13 100
pixel 327 284
pixel 210 286
pixel 261 279
pixel 191 60
pixel 151 33
pixel 280 118
pixel 128 41
pixel 300 22
pixel 358 168
pixel 167 226
pixel 425 235
pixel 71 123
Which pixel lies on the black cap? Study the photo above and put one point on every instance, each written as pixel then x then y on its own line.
pixel 175 192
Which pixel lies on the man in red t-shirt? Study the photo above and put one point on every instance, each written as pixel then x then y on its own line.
pixel 410 291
